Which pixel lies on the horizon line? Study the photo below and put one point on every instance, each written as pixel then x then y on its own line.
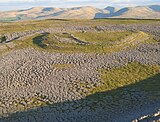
pixel 25 8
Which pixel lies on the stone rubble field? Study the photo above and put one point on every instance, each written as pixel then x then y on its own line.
pixel 28 73
pixel 149 28
pixel 41 86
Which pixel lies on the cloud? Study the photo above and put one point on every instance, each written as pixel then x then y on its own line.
pixel 20 4
pixel 84 1
pixel 7 1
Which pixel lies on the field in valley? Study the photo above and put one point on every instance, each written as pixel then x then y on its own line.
pixel 98 70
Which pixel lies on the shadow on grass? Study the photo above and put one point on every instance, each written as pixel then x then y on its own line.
pixel 119 105
pixel 39 40
pixel 59 19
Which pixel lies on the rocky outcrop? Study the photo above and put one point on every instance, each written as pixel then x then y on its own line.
pixel 152 29
pixel 28 73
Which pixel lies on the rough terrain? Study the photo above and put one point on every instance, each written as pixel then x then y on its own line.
pixel 42 86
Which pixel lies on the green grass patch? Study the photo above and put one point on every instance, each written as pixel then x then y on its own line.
pixel 131 74
pixel 48 42
pixel 102 37
pixel 50 23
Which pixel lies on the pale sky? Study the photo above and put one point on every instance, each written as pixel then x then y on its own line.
pixel 23 4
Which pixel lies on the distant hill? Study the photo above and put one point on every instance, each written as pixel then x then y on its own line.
pixel 155 7
pixel 111 9
pixel 86 12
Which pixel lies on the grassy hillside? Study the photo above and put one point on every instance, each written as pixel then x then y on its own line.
pixel 85 12
pixel 39 24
